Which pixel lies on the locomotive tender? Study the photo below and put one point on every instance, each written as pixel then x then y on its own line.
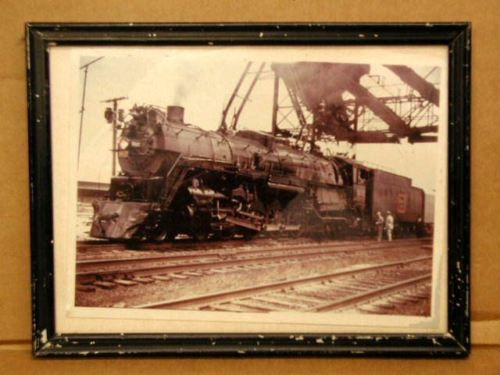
pixel 180 179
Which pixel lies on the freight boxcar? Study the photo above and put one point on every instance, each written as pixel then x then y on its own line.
pixel 372 190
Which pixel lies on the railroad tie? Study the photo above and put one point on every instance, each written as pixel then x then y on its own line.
pixel 177 276
pixel 161 277
pixel 85 288
pixel 125 282
pixel 105 284
pixel 192 273
pixel 143 280
pixel 254 305
pixel 368 309
pixel 218 270
pixel 385 305
pixel 228 307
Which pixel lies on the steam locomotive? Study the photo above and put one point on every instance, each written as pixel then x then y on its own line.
pixel 180 179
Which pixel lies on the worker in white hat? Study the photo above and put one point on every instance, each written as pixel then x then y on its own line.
pixel 389 225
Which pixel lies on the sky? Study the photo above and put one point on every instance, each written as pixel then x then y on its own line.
pixel 202 81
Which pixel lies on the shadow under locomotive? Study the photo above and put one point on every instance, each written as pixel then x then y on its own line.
pixel 180 179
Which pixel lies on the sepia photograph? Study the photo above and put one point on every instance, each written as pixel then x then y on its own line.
pixel 262 185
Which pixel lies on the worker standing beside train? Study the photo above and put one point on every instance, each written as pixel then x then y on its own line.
pixel 379 224
pixel 389 225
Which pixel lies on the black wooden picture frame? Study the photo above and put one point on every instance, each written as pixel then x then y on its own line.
pixel 48 343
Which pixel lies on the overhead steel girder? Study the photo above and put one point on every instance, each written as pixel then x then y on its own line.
pixel 412 79
pixel 365 97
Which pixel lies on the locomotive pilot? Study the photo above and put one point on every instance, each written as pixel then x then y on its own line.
pixel 389 225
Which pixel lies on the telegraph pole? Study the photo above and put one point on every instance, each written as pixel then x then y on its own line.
pixel 82 110
pixel 114 125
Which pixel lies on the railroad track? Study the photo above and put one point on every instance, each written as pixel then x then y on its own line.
pixel 183 244
pixel 401 282
pixel 187 248
pixel 123 271
pixel 104 247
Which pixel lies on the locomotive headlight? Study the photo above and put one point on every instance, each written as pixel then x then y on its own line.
pixel 109 115
pixel 123 144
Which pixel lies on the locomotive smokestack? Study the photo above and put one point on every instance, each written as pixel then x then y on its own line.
pixel 175 113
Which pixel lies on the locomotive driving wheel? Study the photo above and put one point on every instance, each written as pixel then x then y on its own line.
pixel 200 229
pixel 166 234
pixel 225 234
pixel 162 229
pixel 329 230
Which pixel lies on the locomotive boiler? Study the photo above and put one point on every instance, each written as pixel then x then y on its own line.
pixel 178 179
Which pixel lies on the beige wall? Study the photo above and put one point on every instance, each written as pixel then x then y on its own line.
pixel 15 306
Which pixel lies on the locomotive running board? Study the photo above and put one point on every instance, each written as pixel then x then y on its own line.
pixel 278 186
pixel 282 228
pixel 243 223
